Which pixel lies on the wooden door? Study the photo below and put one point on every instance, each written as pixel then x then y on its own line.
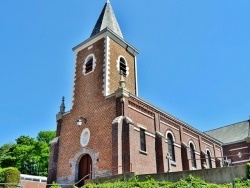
pixel 84 170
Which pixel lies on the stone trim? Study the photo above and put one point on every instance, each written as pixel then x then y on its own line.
pixel 86 60
pixel 238 148
pixel 118 65
pixel 169 125
pixel 149 134
pixel 207 143
pixel 136 129
pixel 146 132
pixel 55 140
pixel 190 135
pixel 170 132
pixel 136 78
pixel 74 162
pixel 177 145
pixel 106 32
pixel 242 161
pixel 133 108
pixel 90 47
pixel 171 118
pixel 141 126
pixel 106 66
pixel 189 142
pixel 117 120
pixel 74 83
pixel 140 109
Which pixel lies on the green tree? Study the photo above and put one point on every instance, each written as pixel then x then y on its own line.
pixel 25 140
pixel 4 156
pixel 46 136
pixel 28 155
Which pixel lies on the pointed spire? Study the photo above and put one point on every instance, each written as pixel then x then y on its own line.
pixel 107 19
pixel 62 107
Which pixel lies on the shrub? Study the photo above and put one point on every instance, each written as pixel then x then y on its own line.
pixel 55 185
pixel 11 175
pixel 1 175
pixel 248 170
pixel 190 182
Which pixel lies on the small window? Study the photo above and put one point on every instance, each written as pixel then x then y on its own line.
pixel 89 66
pixel 142 140
pixel 171 146
pixel 209 159
pixel 192 153
pixel 123 67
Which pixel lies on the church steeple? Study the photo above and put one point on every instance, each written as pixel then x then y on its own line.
pixel 107 19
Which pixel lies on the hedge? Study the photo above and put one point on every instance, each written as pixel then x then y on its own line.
pixel 9 175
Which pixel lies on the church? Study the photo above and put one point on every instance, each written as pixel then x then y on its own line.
pixel 109 129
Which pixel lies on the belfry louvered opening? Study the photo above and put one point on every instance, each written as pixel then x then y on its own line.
pixel 89 66
pixel 123 66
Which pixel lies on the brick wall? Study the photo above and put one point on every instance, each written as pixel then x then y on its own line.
pixel 115 52
pixel 114 123
pixel 144 115
pixel 238 153
pixel 90 103
pixel 32 184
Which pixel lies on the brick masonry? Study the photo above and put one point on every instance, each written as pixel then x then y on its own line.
pixel 237 153
pixel 114 122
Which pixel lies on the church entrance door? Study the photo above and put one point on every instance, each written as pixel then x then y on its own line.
pixel 84 171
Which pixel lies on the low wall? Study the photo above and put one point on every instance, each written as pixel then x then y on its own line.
pixel 214 175
pixel 120 177
pixel 32 184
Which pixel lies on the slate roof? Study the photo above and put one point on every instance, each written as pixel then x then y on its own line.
pixel 107 19
pixel 232 133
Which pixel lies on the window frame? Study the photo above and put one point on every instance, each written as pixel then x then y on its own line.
pixel 121 61
pixel 86 62
pixel 192 154
pixel 209 159
pixel 123 66
pixel 88 65
pixel 143 145
pixel 171 149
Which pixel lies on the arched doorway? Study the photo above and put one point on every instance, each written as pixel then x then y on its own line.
pixel 84 169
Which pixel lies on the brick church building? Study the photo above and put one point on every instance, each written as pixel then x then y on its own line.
pixel 109 128
pixel 235 139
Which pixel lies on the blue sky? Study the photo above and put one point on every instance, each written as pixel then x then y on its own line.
pixel 194 58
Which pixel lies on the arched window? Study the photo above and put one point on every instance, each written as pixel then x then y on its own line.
pixel 192 154
pixel 171 146
pixel 209 162
pixel 123 66
pixel 89 66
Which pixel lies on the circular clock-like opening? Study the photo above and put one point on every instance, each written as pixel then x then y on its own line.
pixel 85 136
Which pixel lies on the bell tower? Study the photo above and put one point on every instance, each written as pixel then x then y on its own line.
pixel 101 58
pixel 104 62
